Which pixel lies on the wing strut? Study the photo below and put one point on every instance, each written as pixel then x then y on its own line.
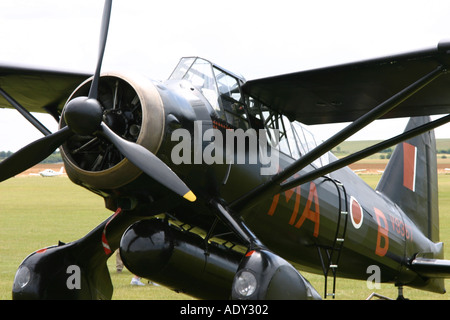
pixel 338 164
pixel 273 185
pixel 236 225
pixel 25 113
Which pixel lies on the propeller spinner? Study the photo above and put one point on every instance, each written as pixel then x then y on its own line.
pixel 84 116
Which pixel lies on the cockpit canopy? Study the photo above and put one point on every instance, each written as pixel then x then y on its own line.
pixel 222 89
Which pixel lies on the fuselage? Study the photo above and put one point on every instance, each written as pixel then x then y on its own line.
pixel 308 223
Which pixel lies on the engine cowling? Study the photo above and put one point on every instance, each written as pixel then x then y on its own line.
pixel 132 108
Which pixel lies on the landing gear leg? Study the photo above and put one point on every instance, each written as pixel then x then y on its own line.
pixel 400 294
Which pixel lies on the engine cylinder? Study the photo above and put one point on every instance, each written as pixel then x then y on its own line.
pixel 133 109
pixel 178 259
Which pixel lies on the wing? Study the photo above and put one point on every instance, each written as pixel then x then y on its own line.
pixel 38 90
pixel 344 93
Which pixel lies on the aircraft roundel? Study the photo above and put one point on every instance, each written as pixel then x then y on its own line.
pixel 356 213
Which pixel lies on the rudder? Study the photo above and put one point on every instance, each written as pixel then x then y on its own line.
pixel 410 179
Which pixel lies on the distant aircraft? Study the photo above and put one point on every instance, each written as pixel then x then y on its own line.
pixel 256 219
pixel 49 173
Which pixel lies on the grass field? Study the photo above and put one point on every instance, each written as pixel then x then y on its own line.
pixel 36 212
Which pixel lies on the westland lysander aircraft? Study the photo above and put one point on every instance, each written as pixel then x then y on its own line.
pixel 238 222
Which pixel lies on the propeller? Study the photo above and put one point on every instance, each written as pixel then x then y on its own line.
pixel 84 116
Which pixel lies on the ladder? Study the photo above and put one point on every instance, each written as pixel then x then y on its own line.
pixel 333 253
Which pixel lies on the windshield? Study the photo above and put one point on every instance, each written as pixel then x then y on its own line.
pixel 220 87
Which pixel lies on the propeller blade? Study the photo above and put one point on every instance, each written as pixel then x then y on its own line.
pixel 33 153
pixel 148 163
pixel 93 92
pixel 37 151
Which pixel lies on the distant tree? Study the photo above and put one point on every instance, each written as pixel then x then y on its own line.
pixel 55 157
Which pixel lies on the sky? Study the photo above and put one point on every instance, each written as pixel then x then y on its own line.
pixel 254 38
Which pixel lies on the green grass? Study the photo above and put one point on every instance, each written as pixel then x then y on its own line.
pixel 36 212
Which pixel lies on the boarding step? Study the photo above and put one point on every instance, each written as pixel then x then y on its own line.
pixel 333 253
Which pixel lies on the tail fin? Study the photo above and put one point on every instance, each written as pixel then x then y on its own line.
pixel 410 180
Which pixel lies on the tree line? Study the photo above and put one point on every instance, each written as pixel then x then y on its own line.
pixel 55 157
